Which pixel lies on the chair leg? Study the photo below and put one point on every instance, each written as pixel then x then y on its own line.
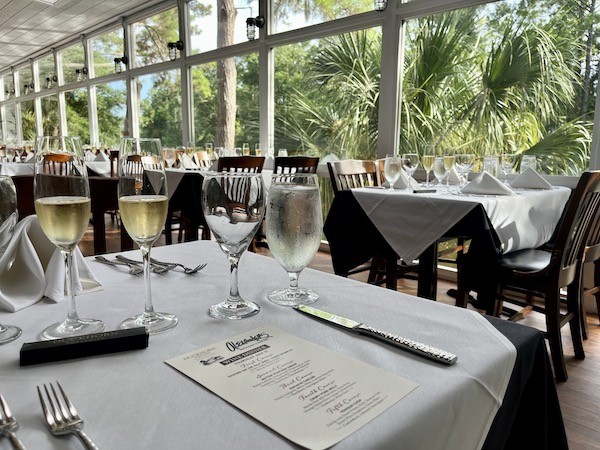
pixel 596 284
pixel 552 300
pixel 574 307
pixel 494 308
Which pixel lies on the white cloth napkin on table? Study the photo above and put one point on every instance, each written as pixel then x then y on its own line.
pixel 530 179
pixel 101 156
pixel 402 182
pixel 33 267
pixel 29 156
pixel 186 162
pixel 487 184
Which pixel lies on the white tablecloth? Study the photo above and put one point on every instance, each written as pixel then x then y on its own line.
pixel 412 222
pixel 133 400
pixel 16 168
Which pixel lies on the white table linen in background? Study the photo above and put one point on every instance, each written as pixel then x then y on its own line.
pixel 102 168
pixel 412 222
pixel 134 400
pixel 16 168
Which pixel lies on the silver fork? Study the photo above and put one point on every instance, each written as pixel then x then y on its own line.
pixel 187 270
pixel 133 269
pixel 156 268
pixel 61 415
pixel 8 425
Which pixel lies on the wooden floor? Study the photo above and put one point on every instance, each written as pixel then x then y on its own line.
pixel 579 396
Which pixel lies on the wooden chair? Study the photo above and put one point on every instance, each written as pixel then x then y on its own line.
pixel 295 164
pixel 543 273
pixel 241 164
pixel 25 201
pixel 202 159
pixel 57 164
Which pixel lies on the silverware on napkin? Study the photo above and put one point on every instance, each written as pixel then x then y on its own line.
pixel 418 348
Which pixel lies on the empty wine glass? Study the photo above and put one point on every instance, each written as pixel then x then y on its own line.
pixel 507 162
pixel 143 204
pixel 294 229
pixel 62 204
pixel 464 165
pixel 8 220
pixel 410 162
pixel 10 153
pixel 427 160
pixel 392 167
pixel 439 171
pixel 234 206
pixel 170 156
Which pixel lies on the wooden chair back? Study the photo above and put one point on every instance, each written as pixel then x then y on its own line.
pixel 252 164
pixel 295 164
pixel 202 159
pixel 57 164
pixel 351 173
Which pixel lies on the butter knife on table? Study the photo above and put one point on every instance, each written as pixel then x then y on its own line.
pixel 418 348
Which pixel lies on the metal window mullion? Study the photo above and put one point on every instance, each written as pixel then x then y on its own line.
pixel 18 123
pixel 131 127
pixel 595 147
pixel 266 82
pixel 187 112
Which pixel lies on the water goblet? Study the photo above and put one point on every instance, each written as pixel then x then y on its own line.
pixel 282 152
pixel 427 160
pixel 143 203
pixel 294 229
pixel 439 171
pixel 62 203
pixel 527 161
pixel 169 156
pixel 392 167
pixel 234 206
pixel 490 165
pixel 10 154
pixel 507 162
pixel 464 165
pixel 410 162
pixel 8 220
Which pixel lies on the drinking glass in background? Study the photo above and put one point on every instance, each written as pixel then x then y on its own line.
pixel 234 206
pixel 427 160
pixel 449 161
pixel 169 156
pixel 490 165
pixel 10 154
pixel 61 192
pixel 507 162
pixel 282 152
pixel 464 165
pixel 410 163
pixel 257 150
pixel 294 229
pixel 245 149
pixel 237 151
pixel 8 220
pixel 391 169
pixel 439 170
pixel 210 149
pixel 143 204
pixel 526 162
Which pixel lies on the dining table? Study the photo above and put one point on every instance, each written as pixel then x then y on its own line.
pixel 499 394
pixel 367 222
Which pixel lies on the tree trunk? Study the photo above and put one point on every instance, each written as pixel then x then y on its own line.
pixel 587 82
pixel 226 78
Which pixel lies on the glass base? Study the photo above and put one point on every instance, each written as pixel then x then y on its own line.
pixel 9 334
pixel 70 328
pixel 293 297
pixel 233 310
pixel 154 323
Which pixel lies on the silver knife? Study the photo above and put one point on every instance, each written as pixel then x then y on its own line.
pixel 418 348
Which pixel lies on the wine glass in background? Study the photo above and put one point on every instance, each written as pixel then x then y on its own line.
pixel 143 204
pixel 8 220
pixel 282 152
pixel 62 203
pixel 410 163
pixel 464 165
pixel 449 161
pixel 257 150
pixel 439 171
pixel 391 169
pixel 507 162
pixel 169 156
pixel 10 153
pixel 527 161
pixel 234 206
pixel 245 149
pixel 427 160
pixel 294 229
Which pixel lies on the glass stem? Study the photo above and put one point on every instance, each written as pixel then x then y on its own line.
pixel 427 180
pixel 234 294
pixel 148 309
pixel 294 279
pixel 71 310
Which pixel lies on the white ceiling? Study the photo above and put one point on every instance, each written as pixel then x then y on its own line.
pixel 28 26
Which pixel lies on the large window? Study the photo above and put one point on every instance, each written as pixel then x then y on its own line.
pixel 50 123
pixel 47 75
pixel 78 123
pixel 28 120
pixel 505 77
pixel 152 36
pixel 112 110
pixel 159 106
pixel 8 87
pixel 105 49
pixel 10 122
pixel 25 81
pixel 72 59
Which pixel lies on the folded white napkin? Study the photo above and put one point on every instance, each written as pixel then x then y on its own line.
pixel 186 162
pixel 454 177
pixel 33 267
pixel 29 156
pixel 88 155
pixel 530 179
pixel 487 184
pixel 101 156
pixel 402 182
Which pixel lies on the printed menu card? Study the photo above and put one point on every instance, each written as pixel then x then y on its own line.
pixel 309 394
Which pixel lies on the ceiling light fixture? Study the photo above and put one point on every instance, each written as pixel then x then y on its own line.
pixel 119 62
pixel 28 88
pixel 251 24
pixel 81 74
pixel 380 5
pixel 173 47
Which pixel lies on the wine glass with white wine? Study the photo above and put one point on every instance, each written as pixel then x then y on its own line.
pixel 62 203
pixel 392 167
pixel 233 204
pixel 143 204
pixel 427 160
pixel 294 229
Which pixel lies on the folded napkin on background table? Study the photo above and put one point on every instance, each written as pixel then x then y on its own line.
pixel 402 182
pixel 530 179
pixel 487 184
pixel 186 162
pixel 33 267
pixel 101 156
pixel 29 156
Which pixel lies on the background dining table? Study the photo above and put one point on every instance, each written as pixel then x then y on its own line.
pixel 16 168
pixel 134 400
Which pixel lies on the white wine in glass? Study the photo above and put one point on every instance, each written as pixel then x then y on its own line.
pixel 427 160
pixel 294 230
pixel 143 203
pixel 449 160
pixel 392 168
pixel 63 207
